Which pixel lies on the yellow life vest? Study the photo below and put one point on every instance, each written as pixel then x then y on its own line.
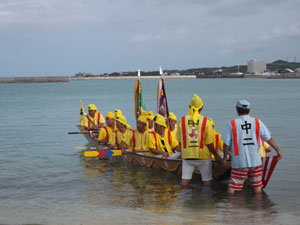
pixel 194 137
pixel 161 144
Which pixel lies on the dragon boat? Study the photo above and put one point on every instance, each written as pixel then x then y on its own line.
pixel 220 172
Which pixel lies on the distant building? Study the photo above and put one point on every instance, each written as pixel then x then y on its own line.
pixel 256 67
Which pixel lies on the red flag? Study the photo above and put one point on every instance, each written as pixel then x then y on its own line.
pixel 268 165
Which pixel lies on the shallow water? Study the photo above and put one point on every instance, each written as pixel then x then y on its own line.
pixel 44 180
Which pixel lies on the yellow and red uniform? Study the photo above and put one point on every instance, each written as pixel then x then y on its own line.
pixel 117 137
pixel 105 133
pixel 155 141
pixel 194 134
pixel 135 140
pixel 88 120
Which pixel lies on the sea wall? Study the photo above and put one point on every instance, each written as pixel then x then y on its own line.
pixel 34 79
pixel 129 77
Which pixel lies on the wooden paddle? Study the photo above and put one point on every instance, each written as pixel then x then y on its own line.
pixel 102 153
pixel 84 132
pixel 106 152
pixel 92 148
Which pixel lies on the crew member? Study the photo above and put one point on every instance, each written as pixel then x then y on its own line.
pixel 158 142
pixel 106 131
pixel 94 119
pixel 196 138
pixel 242 137
pixel 118 135
pixel 173 129
pixel 136 139
pixel 150 117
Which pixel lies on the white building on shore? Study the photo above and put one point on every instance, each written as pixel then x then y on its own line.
pixel 256 67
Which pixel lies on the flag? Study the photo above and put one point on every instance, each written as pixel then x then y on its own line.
pixel 139 105
pixel 162 104
pixel 268 165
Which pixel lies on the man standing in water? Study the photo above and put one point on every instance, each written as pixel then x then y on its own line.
pixel 196 138
pixel 242 137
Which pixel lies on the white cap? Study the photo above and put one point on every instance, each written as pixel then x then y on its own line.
pixel 243 104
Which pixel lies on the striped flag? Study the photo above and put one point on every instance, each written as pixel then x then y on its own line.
pixel 162 104
pixel 139 105
pixel 268 165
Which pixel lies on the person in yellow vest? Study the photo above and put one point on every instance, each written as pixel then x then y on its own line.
pixel 118 135
pixel 264 148
pixel 173 129
pixel 150 117
pixel 158 142
pixel 196 138
pixel 218 143
pixel 136 139
pixel 107 130
pixel 94 119
pixel 117 112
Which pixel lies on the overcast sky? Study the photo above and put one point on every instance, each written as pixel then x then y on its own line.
pixel 63 37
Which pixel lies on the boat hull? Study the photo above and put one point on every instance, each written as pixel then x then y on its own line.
pixel 90 137
pixel 220 172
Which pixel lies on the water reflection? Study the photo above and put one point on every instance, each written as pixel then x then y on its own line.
pixel 121 184
pixel 249 208
pixel 132 186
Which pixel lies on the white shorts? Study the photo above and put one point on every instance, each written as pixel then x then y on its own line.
pixel 203 165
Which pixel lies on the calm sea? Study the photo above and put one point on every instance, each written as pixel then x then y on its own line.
pixel 44 180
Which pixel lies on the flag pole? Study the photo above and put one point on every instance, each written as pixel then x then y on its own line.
pixel 165 95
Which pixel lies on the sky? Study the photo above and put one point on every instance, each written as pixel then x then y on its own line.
pixel 64 37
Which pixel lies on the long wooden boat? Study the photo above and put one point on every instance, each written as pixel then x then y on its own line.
pixel 220 172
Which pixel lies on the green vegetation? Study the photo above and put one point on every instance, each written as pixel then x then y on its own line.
pixel 274 66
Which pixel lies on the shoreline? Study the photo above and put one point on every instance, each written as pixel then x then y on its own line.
pixel 131 77
pixel 49 79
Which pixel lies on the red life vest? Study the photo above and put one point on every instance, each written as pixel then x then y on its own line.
pixel 234 135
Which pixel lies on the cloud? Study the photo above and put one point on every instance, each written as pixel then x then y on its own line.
pixel 294 30
pixel 46 12
pixel 275 33
pixel 138 38
pixel 227 41
pixel 160 36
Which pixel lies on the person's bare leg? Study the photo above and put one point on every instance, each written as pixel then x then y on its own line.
pixel 185 182
pixel 230 191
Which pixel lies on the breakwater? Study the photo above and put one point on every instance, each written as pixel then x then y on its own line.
pixel 129 77
pixel 34 79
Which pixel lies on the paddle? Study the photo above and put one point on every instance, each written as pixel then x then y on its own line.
pixel 107 152
pixel 102 153
pixel 84 132
pixel 92 148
